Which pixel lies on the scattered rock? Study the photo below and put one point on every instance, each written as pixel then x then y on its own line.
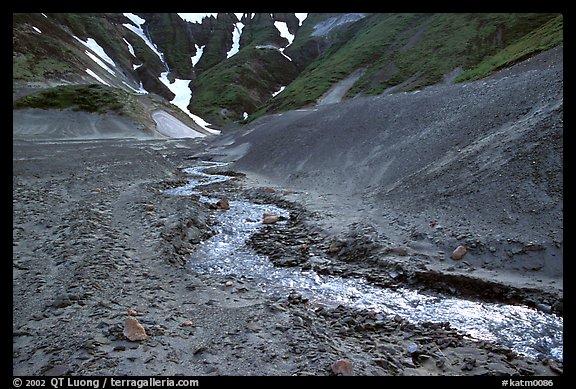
pixel 412 348
pixel 342 367
pixel 222 204
pixel 270 218
pixel 133 330
pixel 149 207
pixel 335 247
pixel 57 370
pixel 458 253
pixel 269 190
pixel 187 323
pixel 544 308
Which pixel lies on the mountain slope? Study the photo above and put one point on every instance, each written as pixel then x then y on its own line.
pixel 237 63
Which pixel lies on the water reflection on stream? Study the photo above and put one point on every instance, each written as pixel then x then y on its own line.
pixel 522 329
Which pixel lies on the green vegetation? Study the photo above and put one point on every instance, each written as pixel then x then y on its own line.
pixel 546 37
pixel 169 33
pixel 29 67
pixel 241 83
pixel 416 50
pixel 368 40
pixel 91 98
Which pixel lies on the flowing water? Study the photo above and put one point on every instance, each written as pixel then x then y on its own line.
pixel 524 330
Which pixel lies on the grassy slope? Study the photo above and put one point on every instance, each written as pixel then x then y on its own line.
pixel 241 83
pixel 425 47
pixel 91 98
pixel 169 33
pixel 39 56
pixel 543 38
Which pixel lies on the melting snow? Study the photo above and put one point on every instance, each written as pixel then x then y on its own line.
pixel 45 16
pixel 130 48
pixel 284 32
pixel 37 30
pixel 235 39
pixel 136 66
pixel 95 47
pixel 281 50
pixel 179 87
pixel 301 18
pixel 99 62
pixel 90 72
pixel 245 115
pixel 137 20
pixel 183 94
pixel 198 55
pixel 141 90
pixel 274 94
pixel 140 32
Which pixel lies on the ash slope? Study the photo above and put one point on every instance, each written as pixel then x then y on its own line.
pixel 479 164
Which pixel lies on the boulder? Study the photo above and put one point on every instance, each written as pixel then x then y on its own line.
pixel 342 367
pixel 223 204
pixel 458 253
pixel 133 330
pixel 270 218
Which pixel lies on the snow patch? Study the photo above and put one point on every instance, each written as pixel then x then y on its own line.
pixel 99 62
pixel 301 18
pixel 239 15
pixel 281 50
pixel 245 115
pixel 235 39
pixel 140 32
pixel 37 30
pixel 183 94
pixel 282 28
pixel 45 16
pixel 137 20
pixel 274 94
pixel 136 66
pixel 130 48
pixel 198 55
pixel 96 48
pixel 91 73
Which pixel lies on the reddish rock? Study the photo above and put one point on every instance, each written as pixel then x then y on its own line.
pixel 270 218
pixel 342 367
pixel 269 190
pixel 458 253
pixel 223 204
pixel 229 283
pixel 133 330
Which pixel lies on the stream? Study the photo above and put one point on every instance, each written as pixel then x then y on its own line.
pixel 522 329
